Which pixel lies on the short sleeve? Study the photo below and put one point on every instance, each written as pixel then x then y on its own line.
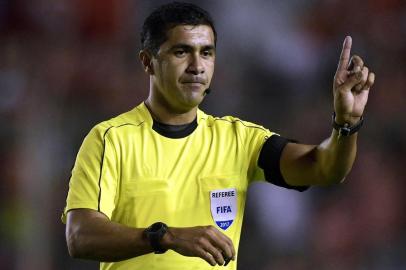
pixel 93 183
pixel 255 137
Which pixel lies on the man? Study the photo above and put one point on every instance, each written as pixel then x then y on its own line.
pixel 163 186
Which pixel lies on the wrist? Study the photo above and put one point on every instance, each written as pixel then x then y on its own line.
pixel 168 240
pixel 155 233
pixel 349 120
pixel 347 128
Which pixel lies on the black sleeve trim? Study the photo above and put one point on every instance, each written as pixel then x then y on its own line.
pixel 269 161
pixel 101 168
pixel 102 158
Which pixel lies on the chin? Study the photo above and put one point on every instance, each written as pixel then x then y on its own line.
pixel 193 95
pixel 191 101
pixel 195 102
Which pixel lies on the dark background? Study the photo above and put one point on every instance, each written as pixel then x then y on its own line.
pixel 69 64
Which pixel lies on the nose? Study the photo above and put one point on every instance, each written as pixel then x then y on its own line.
pixel 196 66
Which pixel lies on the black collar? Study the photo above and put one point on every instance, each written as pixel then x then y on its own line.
pixel 174 131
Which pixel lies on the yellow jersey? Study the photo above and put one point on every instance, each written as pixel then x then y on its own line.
pixel 136 176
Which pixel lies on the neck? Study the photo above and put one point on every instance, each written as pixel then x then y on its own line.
pixel 165 115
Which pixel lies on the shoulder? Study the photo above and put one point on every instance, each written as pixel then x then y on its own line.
pixel 134 118
pixel 230 122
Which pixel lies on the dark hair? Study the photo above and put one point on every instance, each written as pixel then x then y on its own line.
pixel 167 16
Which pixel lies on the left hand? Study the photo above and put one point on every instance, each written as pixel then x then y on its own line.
pixel 351 87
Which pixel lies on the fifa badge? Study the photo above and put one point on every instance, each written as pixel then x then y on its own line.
pixel 223 204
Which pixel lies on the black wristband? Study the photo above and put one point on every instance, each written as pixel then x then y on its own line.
pixel 346 129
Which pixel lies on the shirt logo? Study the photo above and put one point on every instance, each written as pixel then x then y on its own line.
pixel 223 205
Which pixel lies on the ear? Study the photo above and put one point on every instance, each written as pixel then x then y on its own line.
pixel 146 61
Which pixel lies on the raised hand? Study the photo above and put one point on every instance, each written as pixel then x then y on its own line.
pixel 352 82
pixel 205 242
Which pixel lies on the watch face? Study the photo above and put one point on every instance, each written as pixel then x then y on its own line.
pixel 155 233
pixel 158 226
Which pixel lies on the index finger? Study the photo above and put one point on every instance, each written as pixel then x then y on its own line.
pixel 345 54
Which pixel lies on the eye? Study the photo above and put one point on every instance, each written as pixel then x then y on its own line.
pixel 179 53
pixel 207 53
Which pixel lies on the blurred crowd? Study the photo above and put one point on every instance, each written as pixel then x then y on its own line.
pixel 69 64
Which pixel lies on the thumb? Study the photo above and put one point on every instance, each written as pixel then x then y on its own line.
pixel 352 81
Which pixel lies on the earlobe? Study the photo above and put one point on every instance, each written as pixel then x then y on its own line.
pixel 146 61
pixel 149 69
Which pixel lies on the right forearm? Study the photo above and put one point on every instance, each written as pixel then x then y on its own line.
pixel 91 235
pixel 106 241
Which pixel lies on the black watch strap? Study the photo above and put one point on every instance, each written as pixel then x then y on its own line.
pixel 154 234
pixel 346 129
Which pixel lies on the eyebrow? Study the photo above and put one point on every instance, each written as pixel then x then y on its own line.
pixel 188 47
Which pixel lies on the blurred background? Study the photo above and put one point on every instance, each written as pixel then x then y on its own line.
pixel 69 64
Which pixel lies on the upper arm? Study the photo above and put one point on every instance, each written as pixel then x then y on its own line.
pixel 299 165
pixel 94 177
pixel 270 160
pixel 76 218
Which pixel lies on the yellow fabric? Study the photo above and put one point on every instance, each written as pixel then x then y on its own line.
pixel 136 177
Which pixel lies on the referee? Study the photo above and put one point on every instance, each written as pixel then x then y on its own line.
pixel 164 185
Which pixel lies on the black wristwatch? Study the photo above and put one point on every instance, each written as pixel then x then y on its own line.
pixel 346 129
pixel 154 234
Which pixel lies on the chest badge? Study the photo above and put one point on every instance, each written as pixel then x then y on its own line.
pixel 223 205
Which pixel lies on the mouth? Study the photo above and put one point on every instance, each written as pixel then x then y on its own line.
pixel 194 85
pixel 194 81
